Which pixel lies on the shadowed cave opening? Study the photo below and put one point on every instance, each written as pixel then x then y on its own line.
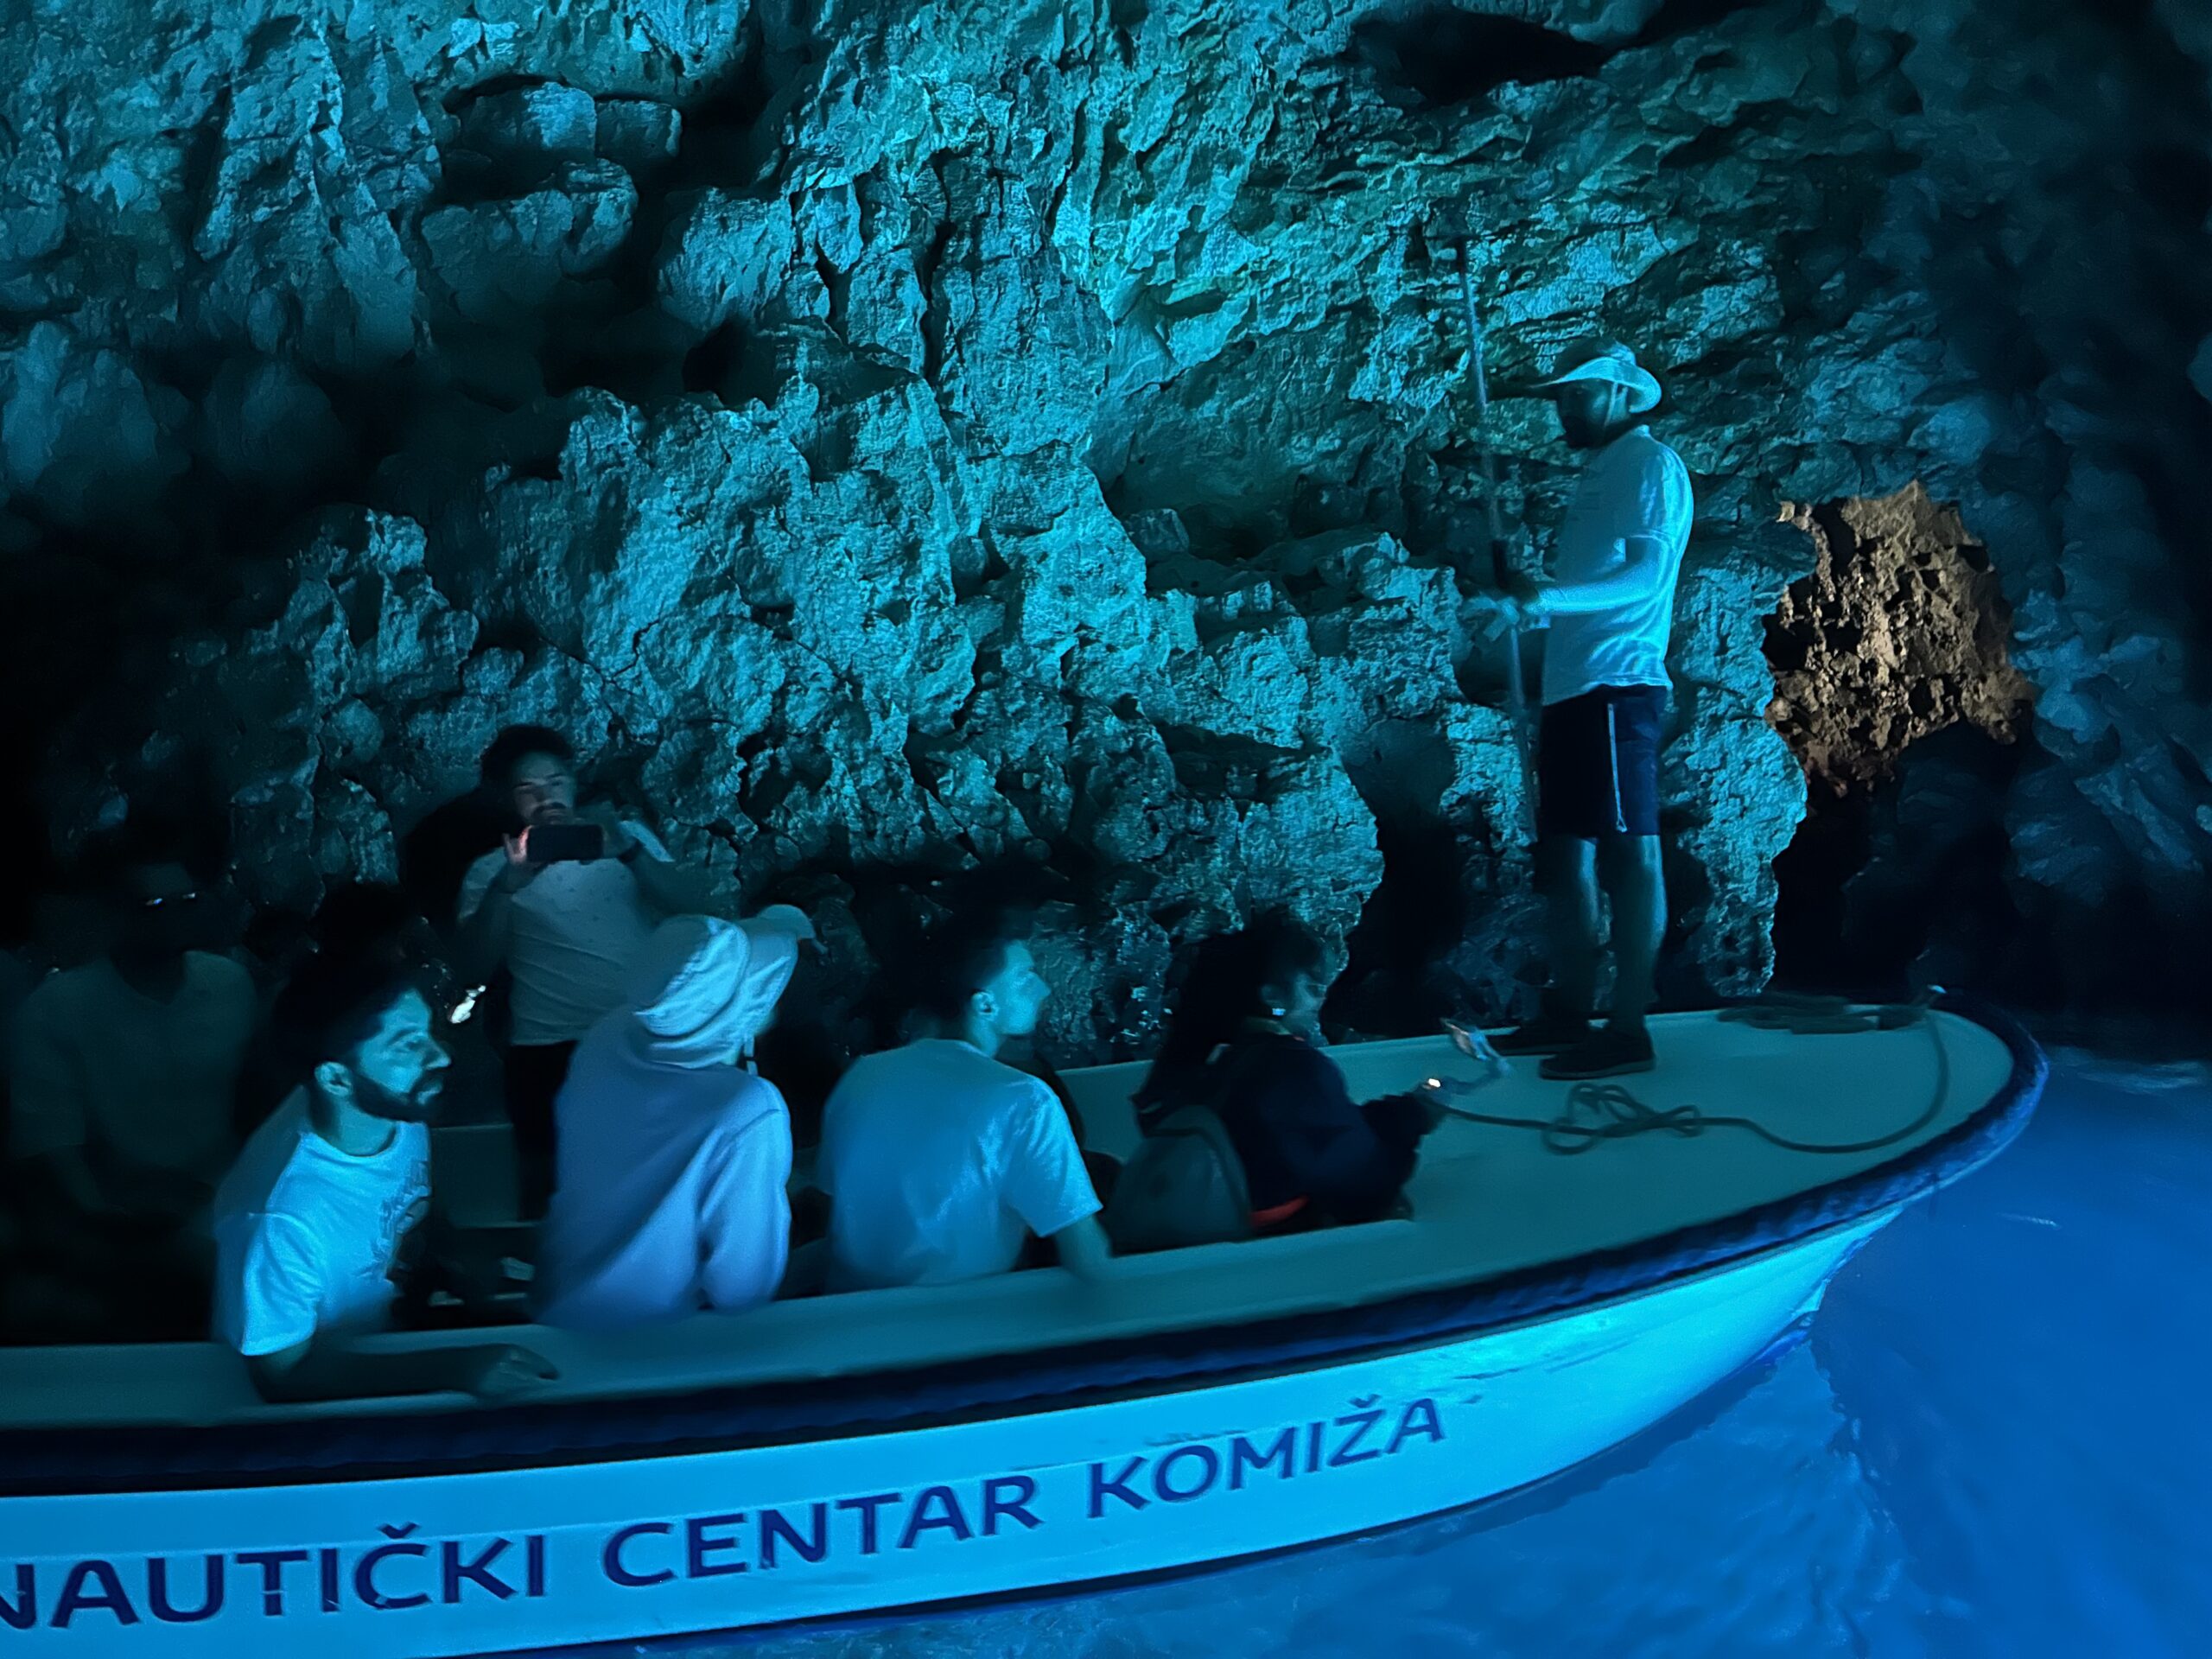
pixel 1433 57
pixel 1439 57
pixel 1396 981
pixel 1868 906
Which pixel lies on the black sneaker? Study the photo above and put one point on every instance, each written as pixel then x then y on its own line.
pixel 1549 1033
pixel 1607 1051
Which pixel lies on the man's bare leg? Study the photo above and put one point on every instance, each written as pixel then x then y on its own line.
pixel 1566 872
pixel 1566 876
pixel 1635 882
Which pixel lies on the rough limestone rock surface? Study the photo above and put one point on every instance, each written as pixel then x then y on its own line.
pixel 906 439
pixel 1898 634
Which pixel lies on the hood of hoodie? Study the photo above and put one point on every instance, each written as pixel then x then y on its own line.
pixel 702 989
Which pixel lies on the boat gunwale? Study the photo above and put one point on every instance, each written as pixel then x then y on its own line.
pixel 373 1445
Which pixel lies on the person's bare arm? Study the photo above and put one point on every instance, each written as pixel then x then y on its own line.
pixel 50 1117
pixel 665 886
pixel 62 1178
pixel 662 883
pixel 480 944
pixel 669 888
pixel 62 1205
pixel 1084 1250
pixel 331 1370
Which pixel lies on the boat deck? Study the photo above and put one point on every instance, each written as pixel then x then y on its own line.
pixel 1486 1201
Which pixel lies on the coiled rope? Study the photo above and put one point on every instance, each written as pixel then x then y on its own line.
pixel 1598 1112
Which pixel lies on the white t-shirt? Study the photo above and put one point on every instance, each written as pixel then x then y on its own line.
pixel 576 928
pixel 938 1160
pixel 1636 486
pixel 670 1194
pixel 151 1082
pixel 306 1236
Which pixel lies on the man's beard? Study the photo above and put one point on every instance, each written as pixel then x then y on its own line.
pixel 418 1105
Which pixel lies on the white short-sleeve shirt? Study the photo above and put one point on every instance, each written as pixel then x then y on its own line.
pixel 577 927
pixel 307 1236
pixel 1634 486
pixel 939 1161
pixel 92 1061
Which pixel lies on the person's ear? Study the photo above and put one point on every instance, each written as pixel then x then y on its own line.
pixel 984 1004
pixel 335 1080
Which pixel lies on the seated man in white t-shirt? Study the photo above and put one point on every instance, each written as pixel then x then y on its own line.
pixel 310 1225
pixel 939 1160
pixel 675 1160
pixel 123 1075
pixel 566 931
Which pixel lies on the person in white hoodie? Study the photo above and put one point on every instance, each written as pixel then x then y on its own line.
pixel 670 1194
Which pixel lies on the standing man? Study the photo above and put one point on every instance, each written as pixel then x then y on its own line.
pixel 1610 611
pixel 123 1074
pixel 565 930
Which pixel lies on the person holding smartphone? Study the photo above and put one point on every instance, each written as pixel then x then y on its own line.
pixel 563 906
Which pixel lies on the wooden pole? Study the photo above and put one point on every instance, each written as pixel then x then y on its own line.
pixel 1516 695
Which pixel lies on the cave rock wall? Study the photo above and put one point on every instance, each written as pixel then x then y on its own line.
pixel 904 439
pixel 1899 632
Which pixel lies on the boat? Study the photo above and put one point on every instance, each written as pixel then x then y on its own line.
pixel 1552 1292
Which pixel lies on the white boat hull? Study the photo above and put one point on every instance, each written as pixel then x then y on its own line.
pixel 626 1550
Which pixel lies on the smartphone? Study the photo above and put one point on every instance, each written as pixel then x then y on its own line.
pixel 565 843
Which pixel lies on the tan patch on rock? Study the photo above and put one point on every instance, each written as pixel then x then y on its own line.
pixel 1899 632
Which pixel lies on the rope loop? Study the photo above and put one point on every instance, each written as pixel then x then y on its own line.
pixel 1597 1112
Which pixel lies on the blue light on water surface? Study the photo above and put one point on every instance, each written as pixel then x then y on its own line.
pixel 1996 1443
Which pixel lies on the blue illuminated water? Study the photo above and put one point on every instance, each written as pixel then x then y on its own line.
pixel 1997 1442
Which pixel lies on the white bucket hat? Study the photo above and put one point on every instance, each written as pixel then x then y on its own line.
pixel 1606 360
pixel 702 988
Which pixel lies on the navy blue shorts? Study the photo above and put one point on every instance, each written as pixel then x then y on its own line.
pixel 1597 763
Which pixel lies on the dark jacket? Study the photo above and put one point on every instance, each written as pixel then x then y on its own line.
pixel 1302 1137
